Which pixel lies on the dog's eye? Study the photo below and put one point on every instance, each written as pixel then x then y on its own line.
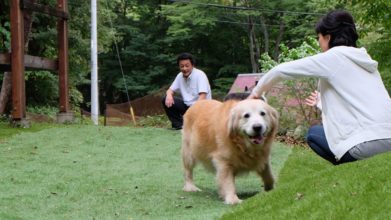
pixel 247 115
pixel 263 113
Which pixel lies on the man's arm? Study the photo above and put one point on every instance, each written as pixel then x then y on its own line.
pixel 201 96
pixel 318 66
pixel 169 97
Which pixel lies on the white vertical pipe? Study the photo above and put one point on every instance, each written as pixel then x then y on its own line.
pixel 94 65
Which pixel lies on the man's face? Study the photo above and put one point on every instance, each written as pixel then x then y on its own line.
pixel 186 67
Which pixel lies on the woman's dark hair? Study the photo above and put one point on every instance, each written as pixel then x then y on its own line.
pixel 341 28
pixel 186 56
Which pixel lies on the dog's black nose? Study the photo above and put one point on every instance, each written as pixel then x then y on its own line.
pixel 257 128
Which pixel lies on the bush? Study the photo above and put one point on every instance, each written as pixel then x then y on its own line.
pixel 160 121
pixel 292 117
pixel 41 88
pixel 225 78
pixel 43 110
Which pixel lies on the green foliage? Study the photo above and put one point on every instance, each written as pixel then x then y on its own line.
pixel 41 87
pixel 231 70
pixel 299 89
pixel 50 111
pixel 379 49
pixel 222 86
pixel 149 34
pixel 374 22
pixel 267 62
pixel 307 48
pixel 187 20
pixel 76 98
pixel 157 121
pixel 5 36
pixel 373 14
pixel 225 78
pixel 141 53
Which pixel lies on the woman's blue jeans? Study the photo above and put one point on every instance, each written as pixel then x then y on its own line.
pixel 316 139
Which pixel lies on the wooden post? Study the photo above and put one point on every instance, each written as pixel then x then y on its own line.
pixel 17 61
pixel 62 29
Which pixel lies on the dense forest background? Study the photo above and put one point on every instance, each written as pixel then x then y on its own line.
pixel 227 37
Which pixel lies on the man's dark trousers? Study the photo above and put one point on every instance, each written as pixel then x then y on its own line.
pixel 175 112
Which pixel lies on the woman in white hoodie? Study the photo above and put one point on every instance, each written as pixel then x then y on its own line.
pixel 356 107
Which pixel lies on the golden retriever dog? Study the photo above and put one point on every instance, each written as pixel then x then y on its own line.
pixel 230 138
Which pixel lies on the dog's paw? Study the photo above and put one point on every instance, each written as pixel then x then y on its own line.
pixel 268 187
pixel 232 200
pixel 190 188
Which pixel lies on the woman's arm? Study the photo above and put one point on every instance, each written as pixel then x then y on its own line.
pixel 319 66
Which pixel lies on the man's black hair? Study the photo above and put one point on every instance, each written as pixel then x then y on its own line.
pixel 186 56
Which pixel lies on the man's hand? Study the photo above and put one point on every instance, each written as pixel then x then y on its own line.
pixel 169 98
pixel 312 100
pixel 201 96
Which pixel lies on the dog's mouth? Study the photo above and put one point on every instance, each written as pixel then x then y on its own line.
pixel 257 139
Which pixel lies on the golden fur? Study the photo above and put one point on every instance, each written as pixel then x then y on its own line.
pixel 230 138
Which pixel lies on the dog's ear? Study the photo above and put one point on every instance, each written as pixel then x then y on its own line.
pixel 274 115
pixel 233 122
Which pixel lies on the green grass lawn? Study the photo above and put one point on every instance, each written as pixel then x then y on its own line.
pixel 95 172
pixel 311 188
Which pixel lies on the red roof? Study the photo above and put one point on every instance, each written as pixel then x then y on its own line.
pixel 245 82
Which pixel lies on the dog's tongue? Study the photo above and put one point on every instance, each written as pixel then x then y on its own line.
pixel 257 139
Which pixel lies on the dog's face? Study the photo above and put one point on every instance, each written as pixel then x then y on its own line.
pixel 253 119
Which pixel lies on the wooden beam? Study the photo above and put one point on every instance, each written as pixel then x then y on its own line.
pixel 30 63
pixel 31 6
pixel 40 63
pixel 63 67
pixel 17 61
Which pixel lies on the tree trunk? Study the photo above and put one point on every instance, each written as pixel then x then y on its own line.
pixel 5 93
pixel 265 35
pixel 257 49
pixel 28 22
pixel 278 40
pixel 6 87
pixel 253 45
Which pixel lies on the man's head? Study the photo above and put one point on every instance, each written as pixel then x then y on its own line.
pixel 186 63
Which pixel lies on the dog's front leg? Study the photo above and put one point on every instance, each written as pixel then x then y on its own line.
pixel 266 173
pixel 226 183
pixel 188 166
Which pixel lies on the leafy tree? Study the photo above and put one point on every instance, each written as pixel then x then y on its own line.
pixel 226 36
pixel 374 20
pixel 140 50
pixel 294 89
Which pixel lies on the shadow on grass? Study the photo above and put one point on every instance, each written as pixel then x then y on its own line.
pixel 246 195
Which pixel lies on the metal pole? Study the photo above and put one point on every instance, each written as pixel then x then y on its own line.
pixel 94 65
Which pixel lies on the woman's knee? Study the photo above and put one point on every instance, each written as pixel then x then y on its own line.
pixel 314 132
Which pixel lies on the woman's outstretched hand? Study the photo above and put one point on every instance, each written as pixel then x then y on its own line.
pixel 312 100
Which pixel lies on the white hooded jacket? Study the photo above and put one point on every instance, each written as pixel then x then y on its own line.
pixel 356 107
